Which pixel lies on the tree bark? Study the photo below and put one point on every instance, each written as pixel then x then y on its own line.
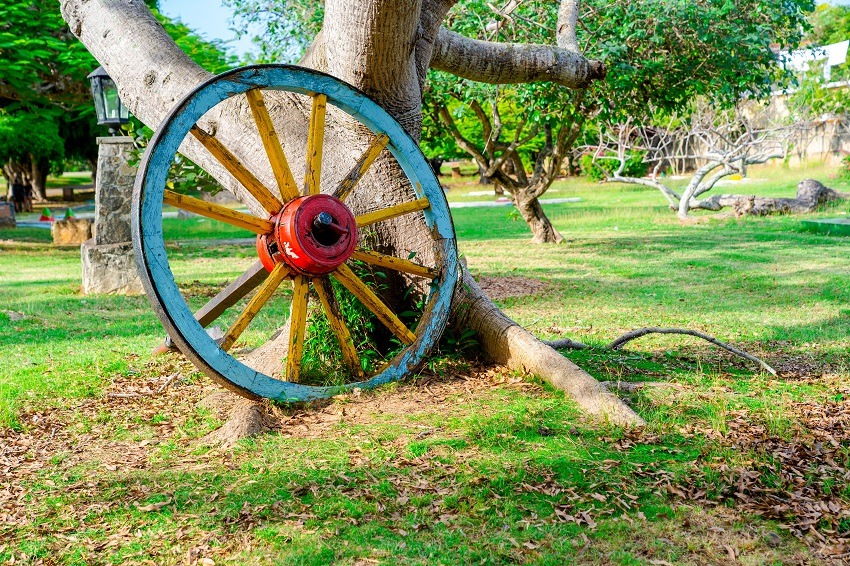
pixel 38 177
pixel 488 62
pixel 378 46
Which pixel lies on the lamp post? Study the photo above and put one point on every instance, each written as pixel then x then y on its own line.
pixel 110 110
pixel 108 262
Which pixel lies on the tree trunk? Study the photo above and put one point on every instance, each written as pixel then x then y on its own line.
pixel 379 46
pixel 541 227
pixel 483 180
pixel 38 177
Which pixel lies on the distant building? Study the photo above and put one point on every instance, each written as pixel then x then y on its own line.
pixel 800 60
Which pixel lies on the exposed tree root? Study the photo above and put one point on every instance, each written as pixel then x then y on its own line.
pixel 507 343
pixel 633 387
pixel 566 344
pixel 634 334
pixel 245 418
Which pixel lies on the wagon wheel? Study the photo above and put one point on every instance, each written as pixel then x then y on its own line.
pixel 309 241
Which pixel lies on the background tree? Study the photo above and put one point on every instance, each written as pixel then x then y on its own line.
pixel 718 142
pixel 44 93
pixel 30 147
pixel 829 24
pixel 660 54
pixel 42 83
pixel 284 27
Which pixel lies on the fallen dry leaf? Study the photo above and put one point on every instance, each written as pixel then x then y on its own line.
pixel 153 506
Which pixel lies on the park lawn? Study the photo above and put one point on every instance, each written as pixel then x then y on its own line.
pixel 68 179
pixel 461 464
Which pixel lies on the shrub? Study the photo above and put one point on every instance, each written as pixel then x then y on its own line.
pixel 602 168
pixel 844 168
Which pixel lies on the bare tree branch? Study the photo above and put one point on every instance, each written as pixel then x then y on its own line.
pixel 716 143
pixel 617 344
pixel 511 63
pixel 634 334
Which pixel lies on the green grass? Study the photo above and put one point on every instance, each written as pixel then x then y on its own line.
pixel 483 469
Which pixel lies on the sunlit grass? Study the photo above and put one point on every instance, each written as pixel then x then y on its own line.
pixel 470 474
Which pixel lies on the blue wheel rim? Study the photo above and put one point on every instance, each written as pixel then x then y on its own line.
pixel 152 260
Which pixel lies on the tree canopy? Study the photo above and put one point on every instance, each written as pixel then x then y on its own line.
pixel 286 26
pixel 829 24
pixel 46 111
pixel 660 55
pixel 44 64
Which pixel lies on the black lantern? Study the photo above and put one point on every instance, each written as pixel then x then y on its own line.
pixel 110 110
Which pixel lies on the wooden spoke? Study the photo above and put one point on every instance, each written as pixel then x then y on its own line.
pixel 394 263
pixel 372 302
pixel 218 212
pixel 297 327
pixel 282 173
pixel 349 352
pixel 369 156
pixel 254 305
pixel 230 162
pixel 315 140
pixel 392 212
pixel 231 294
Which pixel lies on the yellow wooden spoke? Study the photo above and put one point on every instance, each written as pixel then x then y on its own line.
pixel 349 352
pixel 372 302
pixel 282 173
pixel 315 140
pixel 297 327
pixel 394 263
pixel 369 156
pixel 230 162
pixel 254 305
pixel 218 212
pixel 392 212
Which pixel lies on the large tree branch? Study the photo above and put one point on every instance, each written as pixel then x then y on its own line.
pixel 462 142
pixel 511 63
pixel 510 150
pixel 487 133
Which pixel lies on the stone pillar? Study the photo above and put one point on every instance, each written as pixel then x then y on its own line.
pixel 109 265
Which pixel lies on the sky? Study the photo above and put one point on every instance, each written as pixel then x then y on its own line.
pixel 210 19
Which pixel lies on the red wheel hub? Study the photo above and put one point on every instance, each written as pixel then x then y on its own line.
pixel 313 235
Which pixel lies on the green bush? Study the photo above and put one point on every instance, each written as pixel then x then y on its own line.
pixel 844 168
pixel 602 168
